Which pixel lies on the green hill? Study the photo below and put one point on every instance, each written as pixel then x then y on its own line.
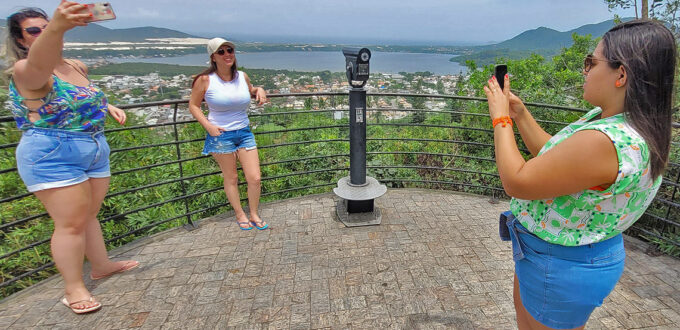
pixel 543 41
pixel 97 33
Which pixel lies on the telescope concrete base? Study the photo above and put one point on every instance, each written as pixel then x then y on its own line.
pixel 357 219
pixel 356 208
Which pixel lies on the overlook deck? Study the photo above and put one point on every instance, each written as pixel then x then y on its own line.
pixel 435 262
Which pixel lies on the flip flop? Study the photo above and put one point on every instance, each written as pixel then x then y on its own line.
pixel 266 225
pixel 132 264
pixel 244 223
pixel 96 306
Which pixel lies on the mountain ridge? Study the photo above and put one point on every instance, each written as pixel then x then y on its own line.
pixel 547 38
pixel 98 33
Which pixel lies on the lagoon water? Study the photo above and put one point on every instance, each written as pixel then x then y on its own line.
pixel 319 61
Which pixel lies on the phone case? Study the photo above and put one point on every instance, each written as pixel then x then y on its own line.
pixel 101 11
pixel 499 72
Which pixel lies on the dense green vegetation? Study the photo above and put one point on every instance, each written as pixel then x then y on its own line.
pixel 490 56
pixel 451 149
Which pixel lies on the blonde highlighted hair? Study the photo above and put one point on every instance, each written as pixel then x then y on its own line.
pixel 13 50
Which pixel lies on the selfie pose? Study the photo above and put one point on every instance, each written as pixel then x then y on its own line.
pixel 589 182
pixel 63 157
pixel 227 92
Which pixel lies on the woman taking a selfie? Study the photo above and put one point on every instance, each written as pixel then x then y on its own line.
pixel 227 92
pixel 63 157
pixel 589 182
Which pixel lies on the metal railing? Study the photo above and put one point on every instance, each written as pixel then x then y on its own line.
pixel 160 179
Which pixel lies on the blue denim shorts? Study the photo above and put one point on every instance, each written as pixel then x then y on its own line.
pixel 54 158
pixel 229 141
pixel 561 285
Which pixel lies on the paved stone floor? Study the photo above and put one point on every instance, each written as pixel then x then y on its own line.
pixel 434 262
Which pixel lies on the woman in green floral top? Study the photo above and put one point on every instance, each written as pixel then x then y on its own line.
pixel 589 182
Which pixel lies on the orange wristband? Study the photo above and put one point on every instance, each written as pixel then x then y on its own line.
pixel 504 120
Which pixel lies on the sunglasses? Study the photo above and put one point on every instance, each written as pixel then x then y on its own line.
pixel 35 30
pixel 589 61
pixel 221 51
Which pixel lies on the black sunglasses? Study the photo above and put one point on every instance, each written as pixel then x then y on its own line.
pixel 589 61
pixel 35 30
pixel 221 51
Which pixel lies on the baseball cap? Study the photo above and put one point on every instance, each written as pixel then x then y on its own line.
pixel 215 43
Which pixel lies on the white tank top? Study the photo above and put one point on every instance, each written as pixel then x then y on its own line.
pixel 228 102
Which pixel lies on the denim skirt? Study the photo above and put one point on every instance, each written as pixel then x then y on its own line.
pixel 560 286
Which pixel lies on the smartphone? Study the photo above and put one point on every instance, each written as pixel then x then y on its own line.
pixel 499 71
pixel 101 11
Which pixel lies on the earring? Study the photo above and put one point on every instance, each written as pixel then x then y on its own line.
pixel 617 84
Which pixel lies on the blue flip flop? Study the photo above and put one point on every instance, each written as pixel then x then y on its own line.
pixel 254 224
pixel 244 222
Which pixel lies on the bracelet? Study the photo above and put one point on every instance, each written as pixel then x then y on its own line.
pixel 501 120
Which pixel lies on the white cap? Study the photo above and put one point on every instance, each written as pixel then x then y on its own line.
pixel 215 43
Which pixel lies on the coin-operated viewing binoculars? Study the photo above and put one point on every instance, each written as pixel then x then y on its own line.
pixel 356 65
pixel 358 190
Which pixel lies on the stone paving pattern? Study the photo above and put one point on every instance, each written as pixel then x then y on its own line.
pixel 435 262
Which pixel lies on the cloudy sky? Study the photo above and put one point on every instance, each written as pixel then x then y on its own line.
pixel 391 21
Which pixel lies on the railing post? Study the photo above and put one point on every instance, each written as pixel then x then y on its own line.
pixel 675 190
pixel 494 198
pixel 190 224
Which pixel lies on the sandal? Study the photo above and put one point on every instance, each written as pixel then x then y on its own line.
pixel 83 310
pixel 240 225
pixel 259 225
pixel 131 264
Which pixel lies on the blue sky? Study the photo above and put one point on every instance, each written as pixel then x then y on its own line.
pixel 388 21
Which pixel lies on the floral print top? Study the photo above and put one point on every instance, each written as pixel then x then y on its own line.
pixel 594 215
pixel 66 106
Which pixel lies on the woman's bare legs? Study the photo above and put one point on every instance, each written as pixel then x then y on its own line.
pixel 70 208
pixel 250 163
pixel 227 163
pixel 95 248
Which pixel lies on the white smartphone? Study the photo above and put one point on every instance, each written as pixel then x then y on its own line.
pixel 101 11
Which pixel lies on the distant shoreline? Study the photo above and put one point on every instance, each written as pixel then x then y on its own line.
pixel 305 61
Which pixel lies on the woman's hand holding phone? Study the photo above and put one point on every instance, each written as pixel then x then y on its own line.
pixel 499 104
pixel 68 15
pixel 517 107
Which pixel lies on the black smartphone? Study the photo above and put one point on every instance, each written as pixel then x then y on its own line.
pixel 499 71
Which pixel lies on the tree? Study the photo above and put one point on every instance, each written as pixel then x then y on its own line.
pixel 626 4
pixel 440 87
pixel 418 105
pixel 664 10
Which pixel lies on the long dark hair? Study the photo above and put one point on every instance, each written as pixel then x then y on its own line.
pixel 213 68
pixel 648 52
pixel 14 50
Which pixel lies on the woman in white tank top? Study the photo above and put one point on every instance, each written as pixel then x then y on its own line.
pixel 227 92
